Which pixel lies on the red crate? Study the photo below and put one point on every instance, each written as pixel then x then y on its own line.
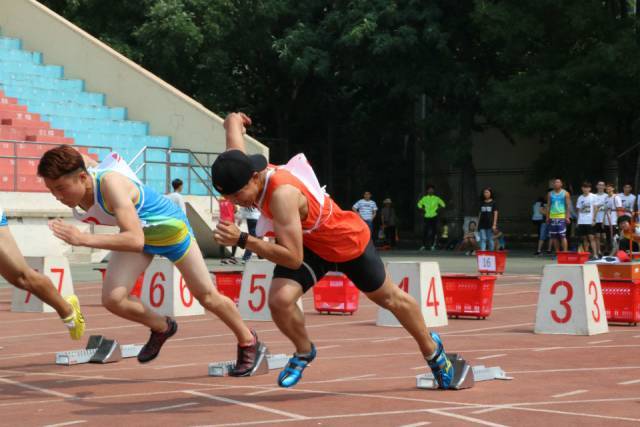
pixel 335 293
pixel 468 295
pixel 491 262
pixel 573 257
pixel 622 300
pixel 229 284
pixel 137 288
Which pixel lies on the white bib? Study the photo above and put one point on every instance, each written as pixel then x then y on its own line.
pixel 299 167
pixel 96 214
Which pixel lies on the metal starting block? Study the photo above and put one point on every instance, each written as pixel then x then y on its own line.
pixel 270 361
pixel 464 377
pixel 99 349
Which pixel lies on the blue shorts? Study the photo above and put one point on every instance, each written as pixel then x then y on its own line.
pixel 171 240
pixel 3 220
pixel 558 228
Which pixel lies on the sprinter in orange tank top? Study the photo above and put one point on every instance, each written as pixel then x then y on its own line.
pixel 313 236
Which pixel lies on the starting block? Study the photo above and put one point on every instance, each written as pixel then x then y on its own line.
pixel 271 361
pixel 98 350
pixel 465 375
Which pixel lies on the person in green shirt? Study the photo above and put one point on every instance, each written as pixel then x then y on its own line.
pixel 430 204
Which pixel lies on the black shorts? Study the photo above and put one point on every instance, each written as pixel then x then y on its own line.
pixel 597 228
pixel 584 230
pixel 367 271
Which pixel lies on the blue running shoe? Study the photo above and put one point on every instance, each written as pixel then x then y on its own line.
pixel 440 365
pixel 292 373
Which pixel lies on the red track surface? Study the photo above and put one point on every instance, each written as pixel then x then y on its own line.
pixel 364 375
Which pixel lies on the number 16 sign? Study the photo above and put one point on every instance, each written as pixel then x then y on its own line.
pixel 570 301
pixel 254 292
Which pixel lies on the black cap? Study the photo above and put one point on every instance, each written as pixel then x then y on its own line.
pixel 233 169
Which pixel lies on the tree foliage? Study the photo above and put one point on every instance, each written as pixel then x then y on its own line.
pixel 362 86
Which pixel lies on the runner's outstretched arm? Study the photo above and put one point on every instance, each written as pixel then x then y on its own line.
pixel 235 126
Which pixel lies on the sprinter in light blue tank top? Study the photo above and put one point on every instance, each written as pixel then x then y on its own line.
pixel 150 224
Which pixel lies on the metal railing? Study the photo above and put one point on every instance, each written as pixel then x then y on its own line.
pixel 194 167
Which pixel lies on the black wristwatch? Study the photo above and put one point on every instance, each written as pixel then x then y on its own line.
pixel 242 240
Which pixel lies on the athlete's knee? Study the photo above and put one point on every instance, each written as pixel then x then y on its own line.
pixel 112 302
pixel 212 300
pixel 281 303
pixel 26 279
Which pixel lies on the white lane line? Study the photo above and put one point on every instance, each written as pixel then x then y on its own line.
pixel 629 382
pixel 514 293
pixel 68 423
pixel 267 390
pixel 595 368
pixel 576 414
pixel 388 339
pixel 337 380
pixel 246 405
pixel 34 388
pixel 166 408
pixel 174 366
pixel 493 356
pixel 599 342
pixel 492 409
pixel 569 393
pixel 514 306
pixel 424 423
pixel 465 418
pixel 325 347
pixel 323 417
pixel 547 349
pixel 636 336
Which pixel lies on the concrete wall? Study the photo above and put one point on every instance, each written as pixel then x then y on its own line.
pixel 126 84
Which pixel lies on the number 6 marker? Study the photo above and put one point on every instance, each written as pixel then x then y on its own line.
pixel 165 290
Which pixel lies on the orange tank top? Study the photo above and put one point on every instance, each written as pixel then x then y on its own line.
pixel 338 236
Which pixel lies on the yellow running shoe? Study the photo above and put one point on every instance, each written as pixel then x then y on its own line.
pixel 75 322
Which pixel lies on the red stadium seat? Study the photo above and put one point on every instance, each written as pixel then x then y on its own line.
pixel 31 183
pixel 37 124
pixel 52 139
pixel 19 115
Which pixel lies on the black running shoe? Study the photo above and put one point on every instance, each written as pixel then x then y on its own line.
pixel 152 348
pixel 249 358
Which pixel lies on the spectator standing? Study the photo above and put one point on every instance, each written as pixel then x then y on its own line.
pixel 430 204
pixel 586 208
pixel 367 210
pixel 487 220
pixel 388 222
pixel 613 210
pixel 628 200
pixel 175 196
pixel 251 215
pixel 598 228
pixel 559 202
pixel 543 228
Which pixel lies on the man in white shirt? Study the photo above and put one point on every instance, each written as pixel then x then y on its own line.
pixel 628 200
pixel 176 197
pixel 586 209
pixel 601 199
pixel 367 210
pixel 613 209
